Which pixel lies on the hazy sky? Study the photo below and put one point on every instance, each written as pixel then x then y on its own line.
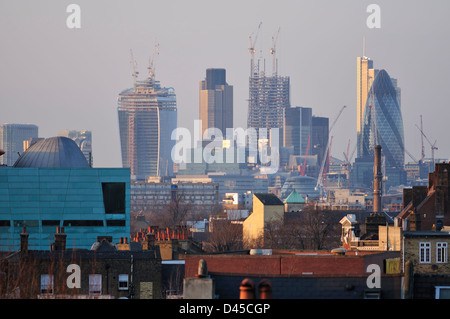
pixel 61 78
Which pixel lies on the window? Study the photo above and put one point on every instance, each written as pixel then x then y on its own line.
pixel 95 284
pixel 114 198
pixel 442 292
pixel 425 253
pixel 82 223
pixel 441 252
pixel 123 282
pixel 47 284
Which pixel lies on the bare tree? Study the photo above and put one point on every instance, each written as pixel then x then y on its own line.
pixel 320 229
pixel 310 229
pixel 174 213
pixel 225 236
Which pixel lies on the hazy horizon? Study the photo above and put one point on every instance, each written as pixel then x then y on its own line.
pixel 60 78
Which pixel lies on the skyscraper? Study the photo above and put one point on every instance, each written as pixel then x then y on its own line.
pixel 12 138
pixel 83 138
pixel 297 129
pixel 365 75
pixel 268 96
pixel 320 135
pixel 216 101
pixel 147 116
pixel 383 125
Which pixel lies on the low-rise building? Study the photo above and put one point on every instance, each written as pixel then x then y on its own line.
pixel 101 272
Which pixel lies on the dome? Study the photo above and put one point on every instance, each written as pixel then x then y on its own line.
pixel 53 152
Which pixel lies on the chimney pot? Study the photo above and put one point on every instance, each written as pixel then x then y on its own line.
pixel 247 289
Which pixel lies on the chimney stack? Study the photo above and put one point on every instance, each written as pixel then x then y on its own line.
pixel 24 240
pixel 377 180
pixel 60 239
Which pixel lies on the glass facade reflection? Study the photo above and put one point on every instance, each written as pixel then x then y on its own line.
pixel 147 116
pixel 383 123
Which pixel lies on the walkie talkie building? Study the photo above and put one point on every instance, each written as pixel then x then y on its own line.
pixel 147 116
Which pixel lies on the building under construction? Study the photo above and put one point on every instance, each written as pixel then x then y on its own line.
pixel 268 94
pixel 147 117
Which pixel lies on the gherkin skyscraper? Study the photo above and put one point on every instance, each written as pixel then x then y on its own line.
pixel 383 123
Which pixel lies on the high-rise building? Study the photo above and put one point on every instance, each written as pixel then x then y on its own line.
pixel 268 96
pixel 365 76
pixel 383 125
pixel 12 139
pixel 216 101
pixel 297 129
pixel 319 138
pixel 83 138
pixel 147 116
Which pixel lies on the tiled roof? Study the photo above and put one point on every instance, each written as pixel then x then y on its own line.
pixel 294 198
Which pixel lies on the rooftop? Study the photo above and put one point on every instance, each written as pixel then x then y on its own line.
pixel 53 152
pixel 269 199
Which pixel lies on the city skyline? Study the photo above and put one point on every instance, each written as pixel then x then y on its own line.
pixel 73 76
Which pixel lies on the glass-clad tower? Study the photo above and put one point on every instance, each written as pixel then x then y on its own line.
pixel 147 116
pixel 383 123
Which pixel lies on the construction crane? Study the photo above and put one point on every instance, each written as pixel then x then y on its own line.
pixel 421 138
pixel 273 51
pixel 151 63
pixel 252 49
pixel 326 167
pixel 319 185
pixel 346 160
pixel 134 66
pixel 432 145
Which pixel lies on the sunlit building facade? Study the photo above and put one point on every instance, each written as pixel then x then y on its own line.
pixel 383 125
pixel 13 137
pixel 147 116
pixel 216 101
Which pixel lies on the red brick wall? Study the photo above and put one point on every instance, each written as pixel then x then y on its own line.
pixel 278 265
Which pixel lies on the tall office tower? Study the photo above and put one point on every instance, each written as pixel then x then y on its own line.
pixel 216 101
pixel 12 138
pixel 268 96
pixel 319 139
pixel 147 116
pixel 83 138
pixel 365 76
pixel 297 129
pixel 383 125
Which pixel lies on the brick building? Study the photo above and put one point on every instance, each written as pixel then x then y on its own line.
pixel 305 275
pixel 427 251
pixel 105 271
pixel 427 207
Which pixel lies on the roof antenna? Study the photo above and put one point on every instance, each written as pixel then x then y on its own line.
pixel 364 46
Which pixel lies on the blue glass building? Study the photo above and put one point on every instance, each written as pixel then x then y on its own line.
pixel 51 185
pixel 383 125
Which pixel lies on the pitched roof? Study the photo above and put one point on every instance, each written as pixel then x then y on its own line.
pixel 269 199
pixel 294 198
